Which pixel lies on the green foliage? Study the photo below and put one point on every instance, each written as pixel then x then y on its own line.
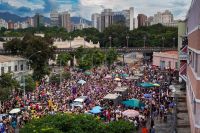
pixel 38 50
pixel 63 58
pixel 111 56
pixel 29 83
pixel 61 123
pixel 7 83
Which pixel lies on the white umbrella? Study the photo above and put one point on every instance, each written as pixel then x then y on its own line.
pixel 14 111
pixel 82 82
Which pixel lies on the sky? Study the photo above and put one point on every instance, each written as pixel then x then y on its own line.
pixel 85 8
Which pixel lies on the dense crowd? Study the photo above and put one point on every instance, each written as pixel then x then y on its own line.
pixel 49 98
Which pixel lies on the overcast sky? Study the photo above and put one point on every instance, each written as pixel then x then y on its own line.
pixel 85 8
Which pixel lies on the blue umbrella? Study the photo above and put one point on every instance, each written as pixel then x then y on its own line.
pixel 96 110
pixel 147 96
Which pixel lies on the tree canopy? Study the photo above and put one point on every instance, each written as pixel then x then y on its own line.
pixel 7 83
pixel 61 123
pixel 36 49
pixel 117 31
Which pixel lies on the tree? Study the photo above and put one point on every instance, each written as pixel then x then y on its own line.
pixel 63 58
pixel 111 56
pixel 56 77
pixel 29 82
pixel 82 123
pixel 7 83
pixel 29 47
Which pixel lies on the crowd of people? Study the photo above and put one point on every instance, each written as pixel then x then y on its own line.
pixel 50 98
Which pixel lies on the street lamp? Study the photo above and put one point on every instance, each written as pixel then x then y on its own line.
pixel 127 37
pixel 174 41
pixel 144 41
pixel 25 72
pixel 110 40
pixel 70 41
pixel 163 39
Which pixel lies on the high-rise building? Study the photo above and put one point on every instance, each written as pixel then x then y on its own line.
pixel 54 16
pixel 106 18
pixel 142 20
pixel 150 20
pixel 119 18
pixel 165 18
pixel 30 22
pixel 95 18
pixel 10 25
pixel 131 25
pixel 193 66
pixel 65 20
pixel 38 20
pixel 3 23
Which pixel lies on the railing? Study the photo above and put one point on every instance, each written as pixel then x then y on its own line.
pixel 130 49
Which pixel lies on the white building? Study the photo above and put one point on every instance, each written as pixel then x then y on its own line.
pixel 15 65
pixel 3 23
pixel 165 18
pixel 54 16
pixel 77 42
pixel 95 20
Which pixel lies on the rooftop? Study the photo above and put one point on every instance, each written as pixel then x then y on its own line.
pixel 4 58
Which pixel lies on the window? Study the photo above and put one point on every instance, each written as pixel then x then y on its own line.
pixel 169 64
pixel 9 69
pixel 196 62
pixel 21 67
pixel 176 65
pixel 15 68
pixel 2 70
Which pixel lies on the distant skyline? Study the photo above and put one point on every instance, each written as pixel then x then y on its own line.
pixel 85 8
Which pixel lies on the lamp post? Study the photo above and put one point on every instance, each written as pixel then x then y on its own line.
pixel 127 37
pixel 70 41
pixel 110 40
pixel 144 41
pixel 25 72
pixel 174 41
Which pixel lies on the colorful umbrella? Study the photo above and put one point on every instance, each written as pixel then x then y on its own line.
pixel 117 79
pixel 134 103
pixel 96 110
pixel 131 113
pixel 146 85
pixel 87 73
pixel 156 85
pixel 14 111
pixel 82 82
pixel 147 96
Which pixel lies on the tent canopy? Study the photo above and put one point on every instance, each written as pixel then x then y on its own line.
pixel 96 110
pixel 134 103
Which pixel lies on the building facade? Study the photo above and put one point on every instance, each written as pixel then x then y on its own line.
pixel 142 20
pixel 38 20
pixel 193 67
pixel 106 19
pixel 15 65
pixel 166 60
pixel 165 18
pixel 65 21
pixel 54 16
pixel 96 20
pixel 11 25
pixel 3 23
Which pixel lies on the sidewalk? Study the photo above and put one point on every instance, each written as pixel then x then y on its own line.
pixel 178 121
